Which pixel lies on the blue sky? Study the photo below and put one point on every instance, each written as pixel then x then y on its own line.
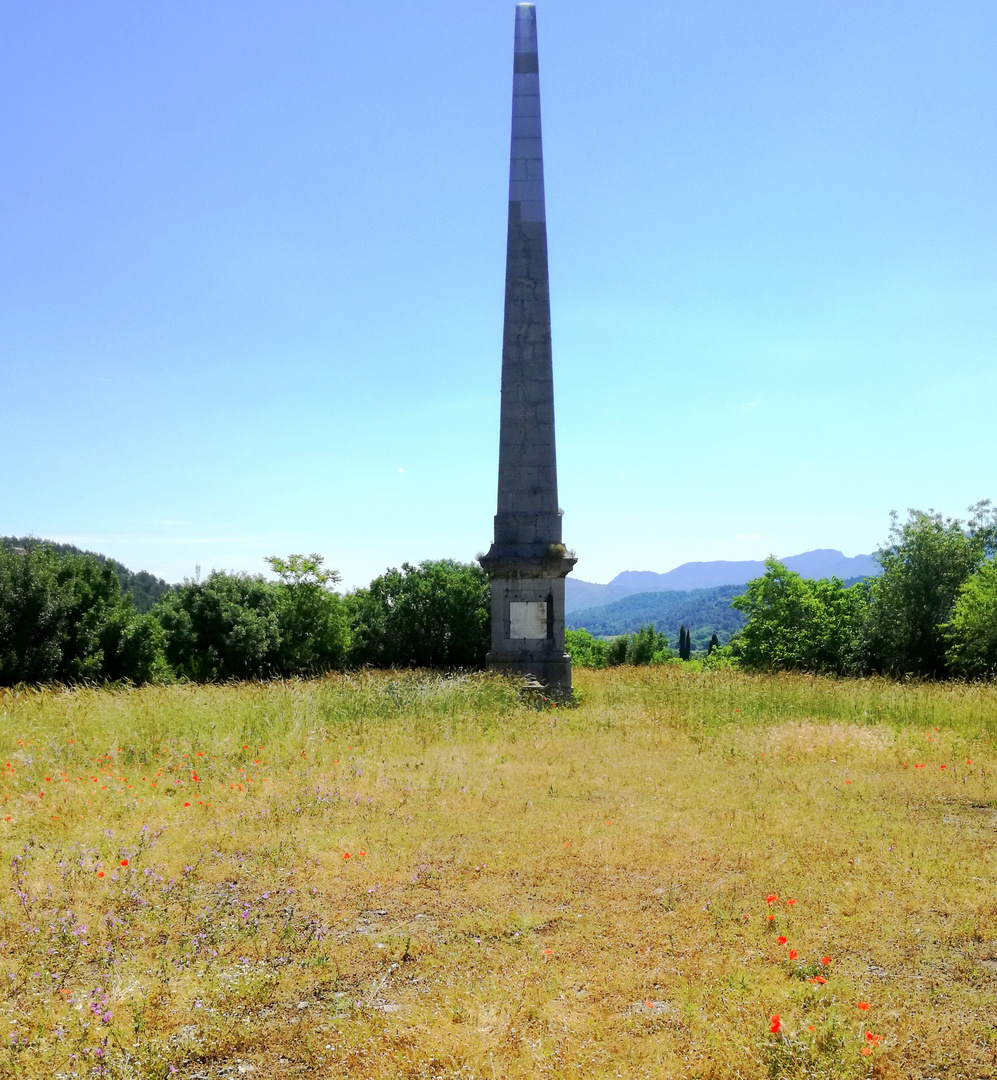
pixel 252 259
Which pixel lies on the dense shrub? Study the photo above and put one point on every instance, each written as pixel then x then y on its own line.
pixel 797 624
pixel 241 626
pixel 646 646
pixel 436 614
pixel 973 629
pixel 63 619
pixel 584 649
pixel 925 563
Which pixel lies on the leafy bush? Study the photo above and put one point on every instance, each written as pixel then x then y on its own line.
pixel 241 626
pixel 63 619
pixel 721 658
pixel 584 649
pixel 646 646
pixel 797 624
pixel 312 621
pixel 925 564
pixel 973 627
pixel 225 627
pixel 436 614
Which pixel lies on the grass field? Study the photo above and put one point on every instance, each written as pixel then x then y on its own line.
pixel 398 875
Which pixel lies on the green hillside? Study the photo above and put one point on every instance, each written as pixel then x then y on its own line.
pixel 144 588
pixel 703 612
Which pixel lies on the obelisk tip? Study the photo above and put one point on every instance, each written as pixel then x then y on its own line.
pixel 526 28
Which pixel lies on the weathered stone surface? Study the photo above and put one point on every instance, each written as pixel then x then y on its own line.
pixel 526 562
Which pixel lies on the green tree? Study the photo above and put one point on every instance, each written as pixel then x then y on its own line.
pixel 225 627
pixel 312 620
pixel 645 646
pixel 30 617
pixel 972 651
pixel 134 648
pixel 804 625
pixel 584 649
pixel 63 619
pixel 436 614
pixel 925 562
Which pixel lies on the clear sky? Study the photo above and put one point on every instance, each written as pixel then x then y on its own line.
pixel 252 259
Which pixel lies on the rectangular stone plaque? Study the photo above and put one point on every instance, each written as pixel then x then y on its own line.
pixel 528 620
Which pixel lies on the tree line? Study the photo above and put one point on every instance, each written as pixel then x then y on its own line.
pixel 68 616
pixel 64 618
pixel 930 613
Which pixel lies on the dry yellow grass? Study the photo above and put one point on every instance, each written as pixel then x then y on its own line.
pixel 564 893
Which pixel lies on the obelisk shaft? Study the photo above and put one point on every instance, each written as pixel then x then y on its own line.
pixel 527 518
pixel 527 563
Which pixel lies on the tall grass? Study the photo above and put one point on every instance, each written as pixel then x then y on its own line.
pixel 409 875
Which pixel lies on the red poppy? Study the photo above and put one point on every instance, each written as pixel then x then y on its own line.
pixel 771 898
pixel 547 952
pixel 825 960
pixel 100 873
pixel 124 862
pixel 781 940
pixel 865 1050
pixel 186 804
pixel 863 1005
pixel 791 901
pixel 819 979
pixel 792 954
pixel 362 854
pixel 346 854
pixel 776 1023
pixel 770 918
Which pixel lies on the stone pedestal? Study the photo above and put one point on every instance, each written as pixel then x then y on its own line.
pixel 528 618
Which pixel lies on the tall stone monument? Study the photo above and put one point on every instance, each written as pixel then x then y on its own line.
pixel 527 562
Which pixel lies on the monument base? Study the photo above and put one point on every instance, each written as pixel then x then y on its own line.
pixel 528 616
pixel 551 670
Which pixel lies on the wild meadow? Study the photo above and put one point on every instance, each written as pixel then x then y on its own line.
pixel 691 874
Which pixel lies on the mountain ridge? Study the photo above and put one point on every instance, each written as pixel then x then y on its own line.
pixel 819 563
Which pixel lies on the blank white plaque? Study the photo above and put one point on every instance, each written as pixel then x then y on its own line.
pixel 528 620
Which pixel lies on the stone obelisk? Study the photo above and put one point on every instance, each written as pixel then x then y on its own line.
pixel 527 562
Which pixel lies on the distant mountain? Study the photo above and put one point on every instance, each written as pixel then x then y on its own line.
pixel 144 588
pixel 822 563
